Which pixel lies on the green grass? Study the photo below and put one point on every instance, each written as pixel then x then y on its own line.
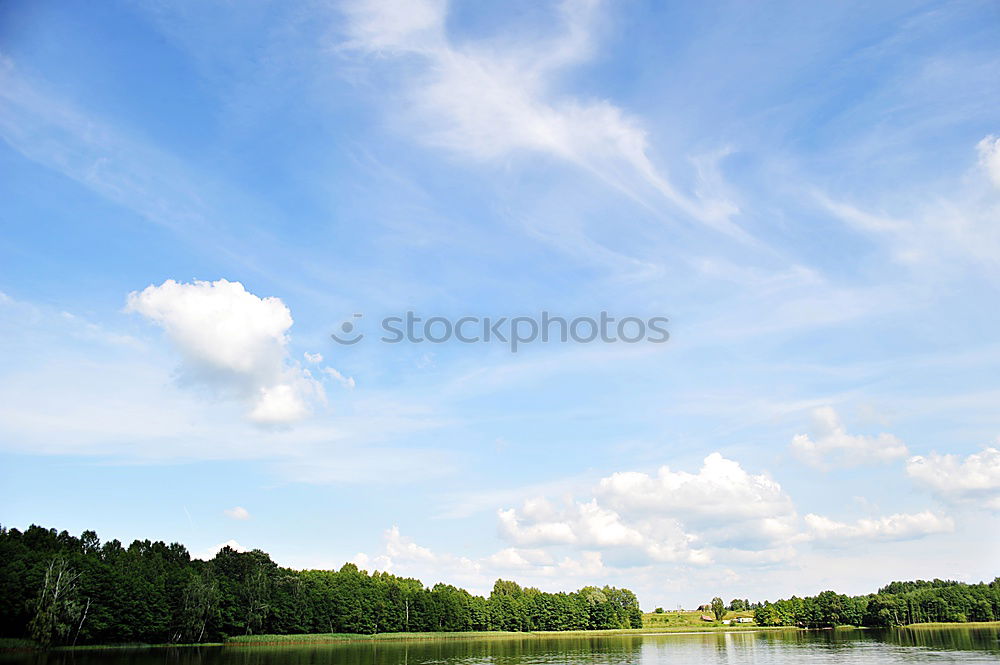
pixel 668 622
pixel 320 638
pixel 333 638
pixel 691 620
pixel 135 645
pixel 952 624
pixel 684 625
pixel 10 644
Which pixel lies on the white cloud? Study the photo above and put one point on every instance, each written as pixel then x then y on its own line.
pixel 720 512
pixel 279 404
pixel 71 388
pixel 583 523
pixel 487 101
pixel 346 381
pixel 721 491
pixel 989 157
pixel 402 556
pixel 539 533
pixel 401 548
pixel 975 478
pixel 235 342
pixel 831 446
pixel 901 526
pixel 513 557
pixel 238 513
pixel 949 229
pixel 212 551
pixel 313 357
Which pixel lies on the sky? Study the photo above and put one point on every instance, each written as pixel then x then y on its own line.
pixel 197 195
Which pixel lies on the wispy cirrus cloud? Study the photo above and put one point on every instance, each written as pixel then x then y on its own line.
pixel 486 101
pixel 938 226
pixel 49 129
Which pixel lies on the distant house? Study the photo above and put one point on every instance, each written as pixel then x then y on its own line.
pixel 745 620
pixel 705 617
pixel 726 622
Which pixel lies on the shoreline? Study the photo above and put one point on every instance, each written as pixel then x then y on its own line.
pixel 314 639
pixel 307 639
pixel 335 638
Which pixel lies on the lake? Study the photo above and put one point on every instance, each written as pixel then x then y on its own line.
pixel 945 645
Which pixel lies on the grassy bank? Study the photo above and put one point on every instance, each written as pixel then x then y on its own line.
pixel 653 624
pixel 337 638
pixel 689 620
pixel 13 644
pixel 138 645
pixel 329 638
pixel 661 624
pixel 944 624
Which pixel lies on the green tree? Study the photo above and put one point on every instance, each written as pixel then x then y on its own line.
pixel 199 608
pixel 62 589
pixel 718 608
pixel 56 608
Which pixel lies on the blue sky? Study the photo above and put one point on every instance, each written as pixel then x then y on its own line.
pixel 195 195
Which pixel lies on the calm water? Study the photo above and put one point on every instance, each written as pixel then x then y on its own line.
pixel 951 645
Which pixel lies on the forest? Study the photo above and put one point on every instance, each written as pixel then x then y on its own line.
pixel 57 589
pixel 896 604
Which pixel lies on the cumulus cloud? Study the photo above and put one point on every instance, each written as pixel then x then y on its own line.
pixel 722 507
pixel 721 490
pixel 721 514
pixel 901 526
pixel 635 521
pixel 512 558
pixel 235 342
pixel 238 513
pixel 584 523
pixel 974 478
pixel 212 551
pixel 831 446
pixel 556 532
pixel 398 547
pixel 313 357
pixel 400 555
pixel 486 101
pixel 721 511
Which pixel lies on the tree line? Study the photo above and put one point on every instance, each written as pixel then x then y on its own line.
pixel 896 604
pixel 56 588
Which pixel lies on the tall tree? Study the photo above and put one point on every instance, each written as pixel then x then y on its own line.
pixel 718 608
pixel 56 609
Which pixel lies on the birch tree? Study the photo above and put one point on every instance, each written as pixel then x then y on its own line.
pixel 56 609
